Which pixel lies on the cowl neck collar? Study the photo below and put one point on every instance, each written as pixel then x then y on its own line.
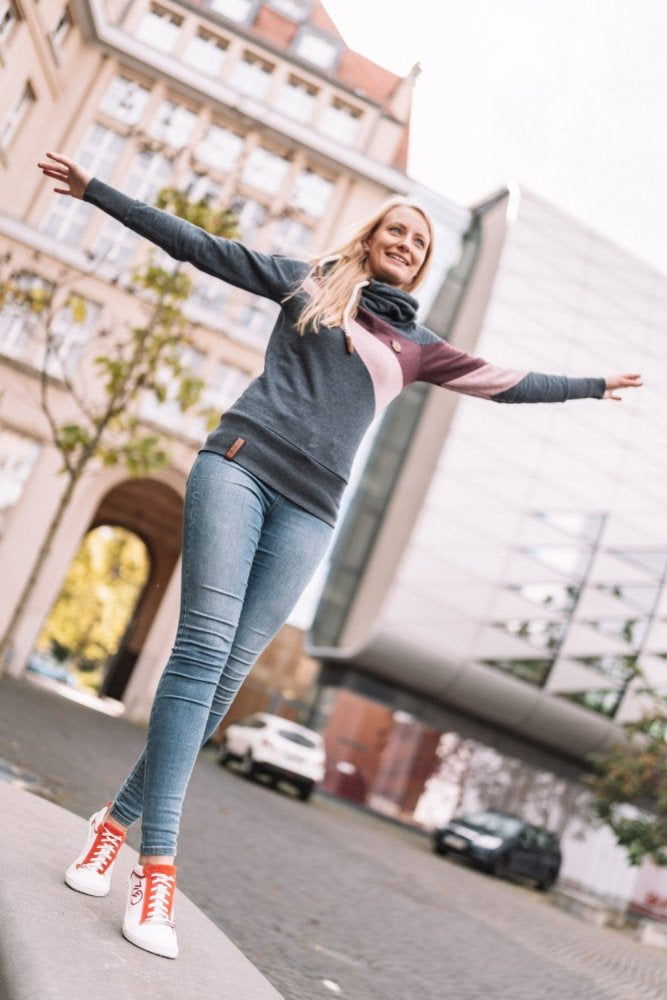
pixel 393 304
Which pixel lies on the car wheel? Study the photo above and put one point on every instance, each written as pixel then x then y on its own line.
pixel 223 755
pixel 439 848
pixel 247 765
pixel 546 882
pixel 304 791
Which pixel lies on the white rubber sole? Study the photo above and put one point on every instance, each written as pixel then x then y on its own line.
pixel 76 881
pixel 165 951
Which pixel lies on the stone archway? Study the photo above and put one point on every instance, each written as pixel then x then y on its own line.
pixel 153 511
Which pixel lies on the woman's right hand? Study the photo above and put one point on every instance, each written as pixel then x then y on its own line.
pixel 68 172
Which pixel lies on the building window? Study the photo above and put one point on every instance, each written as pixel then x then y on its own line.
pixel 117 245
pixel 532 671
pixel 572 522
pixel 257 318
pixel 22 314
pixel 544 635
pixel 17 458
pixel 62 28
pixel 159 28
pixel 296 98
pixel 206 52
pixel 250 215
pixel 200 187
pixel 291 238
pixel 8 18
pixel 604 702
pixel 620 668
pixel 149 173
pixel 209 295
pixel 570 561
pixel 340 121
pixel 219 148
pixel 297 10
pixel 629 630
pixel 235 10
pixel 16 115
pixel 265 171
pixel 251 75
pixel 317 47
pixel 173 124
pixel 70 330
pixel 99 153
pixel 125 100
pixel 168 413
pixel 311 193
pixel 558 596
pixel 224 387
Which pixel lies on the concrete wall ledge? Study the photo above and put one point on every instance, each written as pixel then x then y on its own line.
pixel 57 943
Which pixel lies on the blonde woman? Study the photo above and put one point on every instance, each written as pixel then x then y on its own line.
pixel 264 491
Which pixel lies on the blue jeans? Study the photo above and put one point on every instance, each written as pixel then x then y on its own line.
pixel 248 553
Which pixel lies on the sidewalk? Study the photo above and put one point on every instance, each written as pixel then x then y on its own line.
pixel 57 943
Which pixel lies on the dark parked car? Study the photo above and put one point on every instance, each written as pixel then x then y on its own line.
pixel 502 844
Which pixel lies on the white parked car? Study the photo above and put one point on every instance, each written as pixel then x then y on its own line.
pixel 282 749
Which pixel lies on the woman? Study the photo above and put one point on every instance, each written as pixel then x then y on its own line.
pixel 264 491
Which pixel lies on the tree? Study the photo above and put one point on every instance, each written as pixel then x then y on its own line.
pixel 629 787
pixel 146 360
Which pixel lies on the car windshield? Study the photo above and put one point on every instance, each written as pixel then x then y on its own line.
pixel 299 738
pixel 493 822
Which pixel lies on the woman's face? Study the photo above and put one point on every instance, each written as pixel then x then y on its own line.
pixel 397 248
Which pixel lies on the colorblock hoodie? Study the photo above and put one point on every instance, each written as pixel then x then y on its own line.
pixel 298 425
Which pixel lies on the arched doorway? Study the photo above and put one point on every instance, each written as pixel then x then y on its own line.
pixel 98 599
pixel 135 515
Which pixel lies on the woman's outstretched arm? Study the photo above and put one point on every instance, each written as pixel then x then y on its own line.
pixel 264 274
pixel 442 364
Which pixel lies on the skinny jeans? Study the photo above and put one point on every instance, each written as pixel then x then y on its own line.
pixel 248 553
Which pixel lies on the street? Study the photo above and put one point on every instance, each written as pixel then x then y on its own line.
pixel 327 900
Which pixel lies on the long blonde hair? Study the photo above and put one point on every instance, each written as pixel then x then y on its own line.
pixel 333 278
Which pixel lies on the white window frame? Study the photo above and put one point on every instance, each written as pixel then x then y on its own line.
pixel 17 115
pixel 303 195
pixel 159 28
pixel 251 75
pixel 265 170
pixel 125 99
pixel 9 18
pixel 173 123
pixel 236 10
pixel 317 48
pixel 206 52
pixel 340 121
pixel 297 99
pixel 223 153
pixel 18 454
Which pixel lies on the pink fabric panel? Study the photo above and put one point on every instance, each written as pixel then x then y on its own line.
pixel 383 365
pixel 486 381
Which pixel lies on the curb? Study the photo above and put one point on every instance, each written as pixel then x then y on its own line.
pixel 57 943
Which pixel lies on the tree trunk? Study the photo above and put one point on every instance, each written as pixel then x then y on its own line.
pixel 31 582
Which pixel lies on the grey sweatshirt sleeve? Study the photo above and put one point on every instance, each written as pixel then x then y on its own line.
pixel 264 274
pixel 537 388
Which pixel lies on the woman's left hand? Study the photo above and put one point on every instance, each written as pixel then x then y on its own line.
pixel 620 382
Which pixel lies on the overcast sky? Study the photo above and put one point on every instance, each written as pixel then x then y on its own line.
pixel 565 96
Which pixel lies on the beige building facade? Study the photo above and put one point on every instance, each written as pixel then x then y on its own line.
pixel 259 106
